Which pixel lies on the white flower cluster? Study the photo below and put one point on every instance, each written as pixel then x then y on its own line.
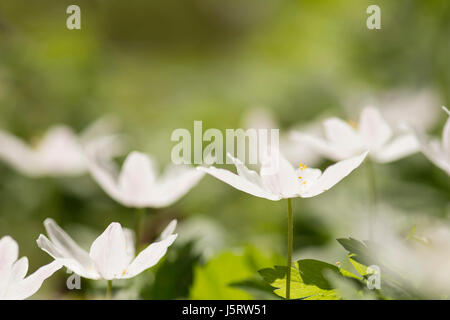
pixel 113 254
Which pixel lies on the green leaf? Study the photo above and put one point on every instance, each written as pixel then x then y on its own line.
pixel 258 288
pixel 307 280
pixel 218 278
pixel 360 268
pixel 360 250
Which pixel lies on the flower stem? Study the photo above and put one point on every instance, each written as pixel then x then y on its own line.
pixel 372 195
pixel 140 213
pixel 289 252
pixel 109 290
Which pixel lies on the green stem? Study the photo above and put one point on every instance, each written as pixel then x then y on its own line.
pixel 109 290
pixel 140 213
pixel 372 195
pixel 289 252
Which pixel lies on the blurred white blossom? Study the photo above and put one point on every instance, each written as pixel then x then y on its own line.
pixel 294 151
pixel 343 139
pixel 137 184
pixel 405 107
pixel 438 151
pixel 60 152
pixel 422 261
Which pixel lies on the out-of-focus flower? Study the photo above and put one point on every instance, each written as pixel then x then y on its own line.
pixel 278 179
pixel 413 108
pixel 343 140
pixel 13 283
pixel 112 254
pixel 137 185
pixel 294 151
pixel 59 153
pixel 438 151
pixel 422 261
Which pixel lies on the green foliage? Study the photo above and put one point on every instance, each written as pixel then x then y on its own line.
pixel 256 287
pixel 309 280
pixel 221 277
pixel 174 276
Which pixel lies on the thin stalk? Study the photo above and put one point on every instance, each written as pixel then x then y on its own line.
pixel 372 195
pixel 140 213
pixel 289 251
pixel 109 290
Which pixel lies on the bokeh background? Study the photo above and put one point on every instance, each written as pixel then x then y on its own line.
pixel 159 65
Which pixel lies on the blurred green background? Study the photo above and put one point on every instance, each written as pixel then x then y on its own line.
pixel 160 65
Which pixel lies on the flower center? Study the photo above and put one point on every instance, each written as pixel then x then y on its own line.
pixel 352 124
pixel 302 167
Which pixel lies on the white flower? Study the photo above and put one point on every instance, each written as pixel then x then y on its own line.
pixel 294 151
pixel 423 259
pixel 112 254
pixel 373 133
pixel 413 108
pixel 137 185
pixel 280 180
pixel 13 283
pixel 59 153
pixel 438 151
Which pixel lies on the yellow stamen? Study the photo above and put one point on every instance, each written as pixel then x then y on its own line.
pixel 352 124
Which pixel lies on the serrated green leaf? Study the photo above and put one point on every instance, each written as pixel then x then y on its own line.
pixel 307 280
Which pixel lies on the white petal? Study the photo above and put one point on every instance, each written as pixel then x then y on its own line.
pixel 149 256
pixel 65 244
pixel 86 271
pixel 238 182
pixel 169 230
pixel 398 148
pixel 130 240
pixel 279 176
pixel 105 148
pixel 434 152
pixel 60 152
pixel 19 270
pixel 105 126
pixel 18 154
pixel 446 139
pixel 250 175
pixel 105 175
pixel 325 148
pixel 333 174
pixel 30 285
pixel 137 178
pixel 341 133
pixel 109 252
pixel 174 184
pixel 374 128
pixel 9 252
pixel 307 178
